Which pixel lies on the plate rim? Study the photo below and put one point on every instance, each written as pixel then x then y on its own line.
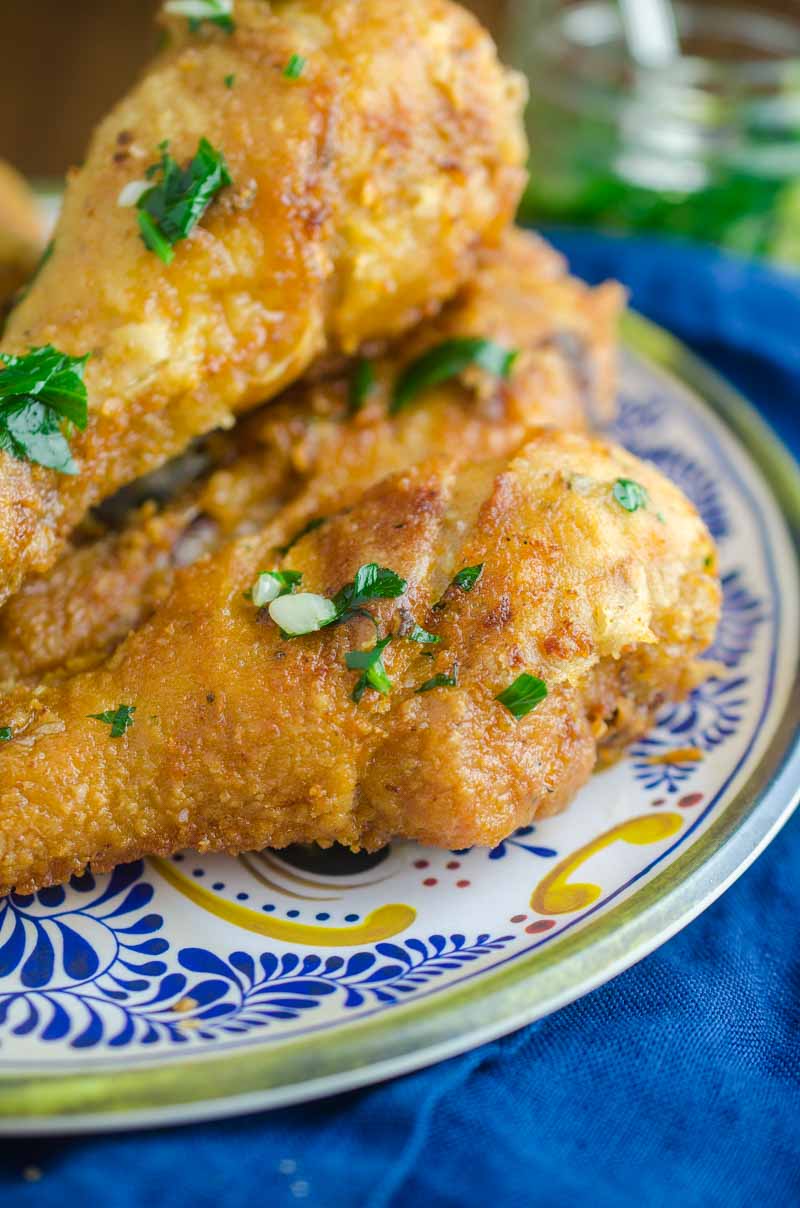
pixel 416 1034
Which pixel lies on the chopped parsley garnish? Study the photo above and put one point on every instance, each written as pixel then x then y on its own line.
pixel 468 577
pixel 303 532
pixel 52 377
pixel 271 584
pixel 630 495
pixel 306 612
pixel 370 663
pixel 465 580
pixel 171 208
pixel 446 361
pixel 295 67
pixel 120 719
pixel 362 383
pixel 42 394
pixel 523 695
pixel 442 680
pixel 372 582
pixel 230 80
pixel 418 634
pixel 6 734
pixel 218 12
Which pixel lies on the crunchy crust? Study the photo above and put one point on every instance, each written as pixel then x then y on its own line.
pixel 521 296
pixel 362 194
pixel 244 740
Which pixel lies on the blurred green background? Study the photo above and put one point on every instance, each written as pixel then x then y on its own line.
pixel 703 145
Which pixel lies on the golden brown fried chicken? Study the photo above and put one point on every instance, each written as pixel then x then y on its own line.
pixel 596 581
pixel 362 188
pixel 521 297
pixel 21 233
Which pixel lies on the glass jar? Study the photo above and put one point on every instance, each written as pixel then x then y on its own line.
pixel 706 147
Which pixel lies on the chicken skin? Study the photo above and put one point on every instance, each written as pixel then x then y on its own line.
pixel 21 233
pixel 587 571
pixel 319 176
pixel 521 297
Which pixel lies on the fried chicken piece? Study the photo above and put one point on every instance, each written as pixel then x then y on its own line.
pixel 21 233
pixel 242 739
pixel 522 297
pixel 361 194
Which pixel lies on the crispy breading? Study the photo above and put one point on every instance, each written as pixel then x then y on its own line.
pixel 242 739
pixel 361 194
pixel 21 233
pixel 522 297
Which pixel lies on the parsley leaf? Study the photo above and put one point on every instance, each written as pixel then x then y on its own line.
pixel 218 12
pixel 372 582
pixel 418 634
pixel 441 680
pixel 295 67
pixel 523 695
pixel 465 580
pixel 362 383
pixel 29 431
pixel 230 80
pixel 172 208
pixel 153 238
pixel 39 393
pixel 448 360
pixel 468 577
pixel 630 495
pixel 120 719
pixel 6 734
pixel 370 662
pixel 51 377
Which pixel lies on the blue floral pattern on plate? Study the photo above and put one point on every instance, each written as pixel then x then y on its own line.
pixel 125 966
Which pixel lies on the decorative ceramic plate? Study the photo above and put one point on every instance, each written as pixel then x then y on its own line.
pixel 202 986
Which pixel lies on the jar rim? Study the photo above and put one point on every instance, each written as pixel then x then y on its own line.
pixel 589 27
pixel 690 112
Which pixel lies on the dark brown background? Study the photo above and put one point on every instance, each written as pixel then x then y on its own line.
pixel 64 62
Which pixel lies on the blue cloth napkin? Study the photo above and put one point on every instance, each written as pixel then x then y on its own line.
pixel 677 1084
